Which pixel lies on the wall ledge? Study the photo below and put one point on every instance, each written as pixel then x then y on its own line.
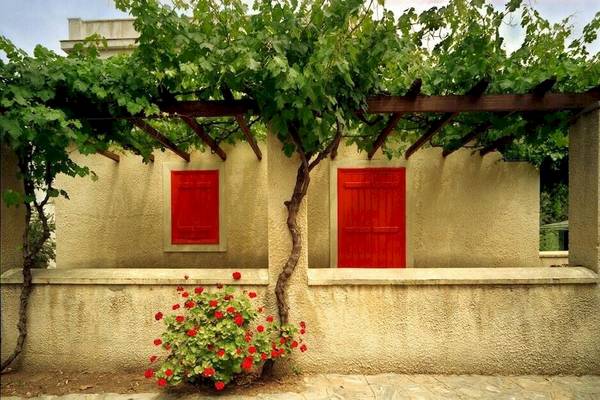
pixel 452 276
pixel 139 276
pixel 554 254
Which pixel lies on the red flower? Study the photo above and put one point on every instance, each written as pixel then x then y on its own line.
pixel 162 382
pixel 185 294
pixel 218 314
pixel 169 372
pixel 270 318
pixel 260 328
pixel 303 348
pixel 219 286
pixel 149 373
pixel 189 304
pixel 180 318
pixel 248 339
pixel 157 342
pixel 220 352
pixel 274 353
pixel 153 358
pixel 228 297
pixel 239 320
pixel 260 309
pixel 219 385
pixel 264 356
pixel 294 344
pixel 167 346
pixel 186 277
pixel 191 332
pixel 251 349
pixel 282 340
pixel 302 331
pixel 247 363
pixel 199 290
pixel 213 303
pixel 238 351
pixel 237 276
pixel 180 288
pixel 252 294
pixel 208 372
pixel 175 306
pixel 302 324
pixel 230 310
pixel 158 316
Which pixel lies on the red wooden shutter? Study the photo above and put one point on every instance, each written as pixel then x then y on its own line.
pixel 371 217
pixel 195 207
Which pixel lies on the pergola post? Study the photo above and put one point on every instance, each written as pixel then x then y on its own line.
pixel 584 190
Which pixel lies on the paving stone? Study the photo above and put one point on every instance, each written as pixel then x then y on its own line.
pixel 397 387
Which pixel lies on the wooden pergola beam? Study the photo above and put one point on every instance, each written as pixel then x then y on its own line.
pixel 392 104
pixel 241 120
pixel 109 154
pixel 162 139
pixel 413 91
pixel 474 93
pixel 210 108
pixel 538 90
pixel 199 130
pixel 491 103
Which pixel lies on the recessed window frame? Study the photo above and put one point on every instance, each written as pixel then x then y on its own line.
pixel 167 234
pixel 333 205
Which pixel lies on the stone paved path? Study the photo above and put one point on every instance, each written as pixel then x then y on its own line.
pixel 400 387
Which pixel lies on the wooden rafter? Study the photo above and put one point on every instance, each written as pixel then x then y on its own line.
pixel 501 142
pixel 539 90
pixel 162 139
pixel 474 93
pixel 109 154
pixel 199 130
pixel 241 120
pixel 413 92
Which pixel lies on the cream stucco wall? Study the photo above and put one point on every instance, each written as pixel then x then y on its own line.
pixel 472 328
pixel 12 219
pixel 464 210
pixel 117 221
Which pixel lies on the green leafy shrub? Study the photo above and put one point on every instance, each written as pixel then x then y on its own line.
pixel 216 337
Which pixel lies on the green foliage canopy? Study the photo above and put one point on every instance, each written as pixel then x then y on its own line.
pixel 309 65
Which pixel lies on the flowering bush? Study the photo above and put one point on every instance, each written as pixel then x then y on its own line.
pixel 216 336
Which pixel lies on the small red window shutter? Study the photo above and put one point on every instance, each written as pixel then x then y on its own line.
pixel 195 207
pixel 371 217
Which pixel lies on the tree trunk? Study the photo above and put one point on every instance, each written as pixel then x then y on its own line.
pixel 293 206
pixel 30 251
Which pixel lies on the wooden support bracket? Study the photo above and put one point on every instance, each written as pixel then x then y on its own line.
pixel 241 120
pixel 196 127
pixel 162 139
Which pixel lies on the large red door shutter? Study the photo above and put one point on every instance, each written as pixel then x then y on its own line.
pixel 195 207
pixel 371 217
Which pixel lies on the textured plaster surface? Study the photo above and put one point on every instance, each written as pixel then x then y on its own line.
pixel 117 221
pixel 465 210
pixel 12 219
pixel 450 329
pixel 584 191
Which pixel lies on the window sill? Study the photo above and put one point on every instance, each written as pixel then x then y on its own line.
pixel 139 276
pixel 451 276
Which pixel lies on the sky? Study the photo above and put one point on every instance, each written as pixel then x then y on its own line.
pixel 30 22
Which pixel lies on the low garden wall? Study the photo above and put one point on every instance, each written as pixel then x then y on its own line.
pixel 480 322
